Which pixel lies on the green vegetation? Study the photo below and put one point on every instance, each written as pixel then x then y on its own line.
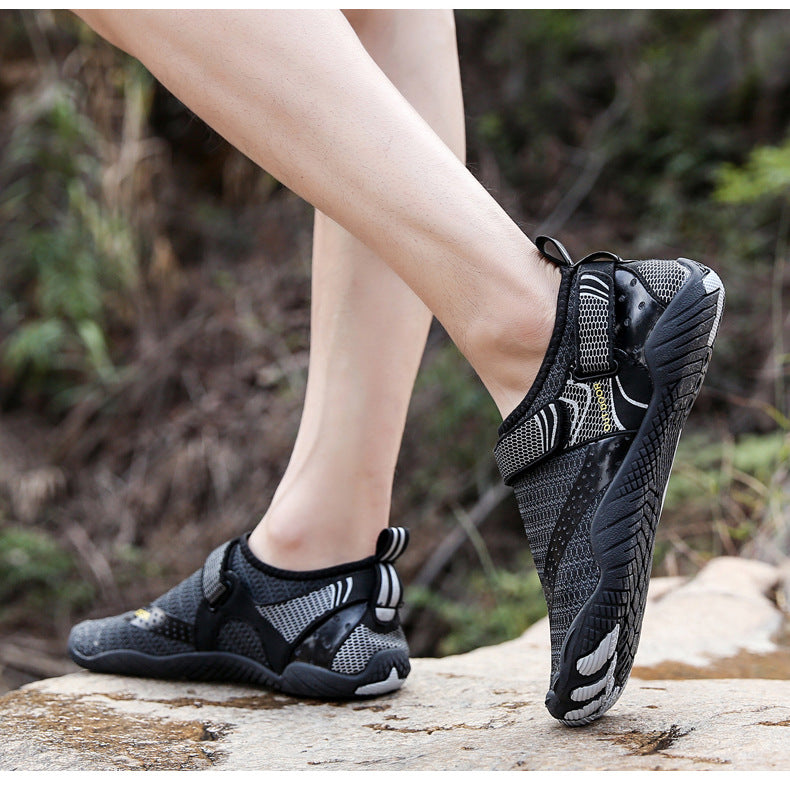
pixel 493 606
pixel 766 174
pixel 37 576
pixel 67 260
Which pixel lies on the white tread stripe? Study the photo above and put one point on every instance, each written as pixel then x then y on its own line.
pixel 593 662
pixel 593 710
pixel 392 682
pixel 583 693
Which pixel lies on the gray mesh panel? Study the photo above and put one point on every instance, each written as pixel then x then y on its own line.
pixel 526 443
pixel 267 588
pixel 541 495
pixel 182 600
pixel 577 577
pixel 354 655
pixel 664 277
pixel 292 617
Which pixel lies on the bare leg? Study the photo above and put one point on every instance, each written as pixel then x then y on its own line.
pixel 299 94
pixel 368 331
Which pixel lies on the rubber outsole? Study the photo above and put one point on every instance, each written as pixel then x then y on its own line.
pixel 386 672
pixel 599 648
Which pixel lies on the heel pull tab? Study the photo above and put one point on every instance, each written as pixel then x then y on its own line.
pixel 392 543
pixel 388 595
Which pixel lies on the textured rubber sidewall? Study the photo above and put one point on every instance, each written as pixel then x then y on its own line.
pixel 609 531
pixel 299 678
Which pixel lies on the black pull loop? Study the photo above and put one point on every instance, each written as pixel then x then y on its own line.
pixel 600 255
pixel 564 260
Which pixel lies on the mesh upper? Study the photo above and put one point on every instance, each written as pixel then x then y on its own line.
pixel 354 655
pixel 594 325
pixel 266 588
pixel 290 605
pixel 292 617
pixel 664 277
pixel 541 494
pixel 240 638
pixel 116 633
pixel 182 601
pixel 576 579
pixel 544 489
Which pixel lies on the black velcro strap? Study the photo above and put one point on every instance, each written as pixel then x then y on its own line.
pixel 214 586
pixel 529 441
pixel 595 320
pixel 392 543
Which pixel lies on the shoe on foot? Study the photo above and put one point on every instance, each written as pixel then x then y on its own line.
pixel 331 633
pixel 589 450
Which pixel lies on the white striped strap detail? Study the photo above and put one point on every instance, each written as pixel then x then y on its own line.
pixel 532 439
pixel 390 592
pixel 388 595
pixel 392 543
pixel 595 324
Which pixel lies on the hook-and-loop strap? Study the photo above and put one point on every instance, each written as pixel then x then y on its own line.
pixel 595 324
pixel 532 439
pixel 213 586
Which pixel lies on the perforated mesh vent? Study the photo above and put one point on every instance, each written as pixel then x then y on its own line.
pixel 94 637
pixel 664 277
pixel 362 644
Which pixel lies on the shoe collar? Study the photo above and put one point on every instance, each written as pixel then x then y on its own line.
pixel 565 261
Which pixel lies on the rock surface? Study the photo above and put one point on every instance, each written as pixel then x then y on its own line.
pixel 710 690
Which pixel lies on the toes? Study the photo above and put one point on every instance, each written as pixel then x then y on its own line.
pixel 602 691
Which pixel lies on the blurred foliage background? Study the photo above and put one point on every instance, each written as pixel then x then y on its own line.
pixel 154 306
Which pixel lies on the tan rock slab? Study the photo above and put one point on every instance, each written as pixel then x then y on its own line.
pixel 448 717
pixel 483 710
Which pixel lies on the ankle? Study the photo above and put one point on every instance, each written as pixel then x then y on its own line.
pixel 298 539
pixel 510 346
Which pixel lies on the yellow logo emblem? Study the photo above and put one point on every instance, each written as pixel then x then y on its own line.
pixel 604 406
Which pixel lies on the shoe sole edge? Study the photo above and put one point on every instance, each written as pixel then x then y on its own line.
pixel 616 543
pixel 301 679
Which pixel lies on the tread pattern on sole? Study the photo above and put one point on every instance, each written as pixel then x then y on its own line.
pixel 680 353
